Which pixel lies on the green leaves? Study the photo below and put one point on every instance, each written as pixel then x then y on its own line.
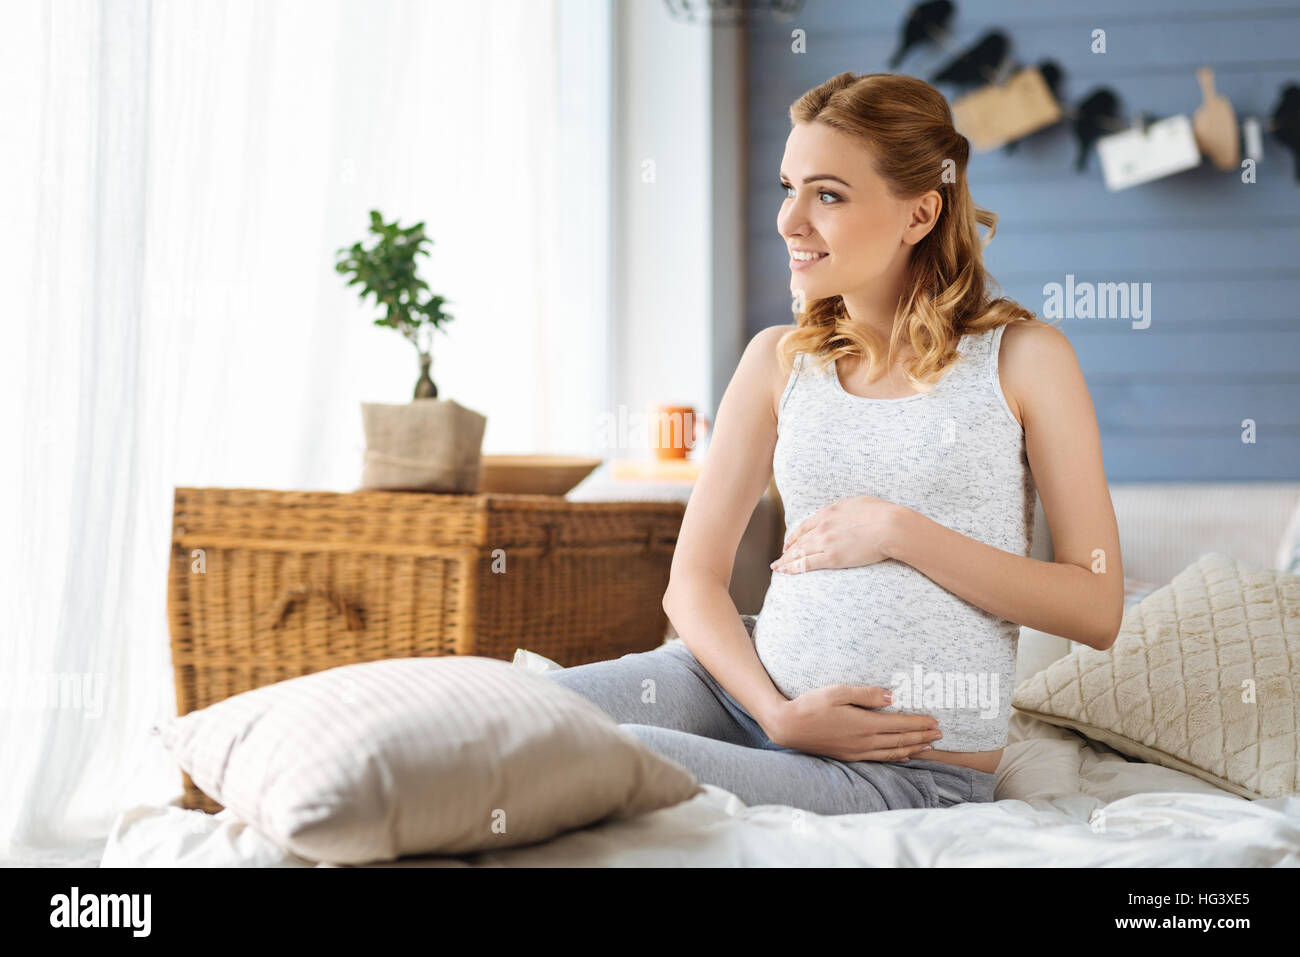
pixel 387 271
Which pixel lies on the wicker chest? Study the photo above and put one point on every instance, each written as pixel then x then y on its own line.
pixel 268 585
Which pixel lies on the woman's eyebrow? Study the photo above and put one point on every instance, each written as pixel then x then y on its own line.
pixel 816 176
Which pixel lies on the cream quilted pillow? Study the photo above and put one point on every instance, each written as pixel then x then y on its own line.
pixel 369 762
pixel 1203 678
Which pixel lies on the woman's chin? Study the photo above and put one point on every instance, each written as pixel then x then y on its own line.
pixel 810 293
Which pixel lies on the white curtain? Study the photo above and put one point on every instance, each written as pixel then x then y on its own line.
pixel 177 178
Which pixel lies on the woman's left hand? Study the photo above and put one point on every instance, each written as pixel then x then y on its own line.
pixel 845 534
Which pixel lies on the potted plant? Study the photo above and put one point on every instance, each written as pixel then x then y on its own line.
pixel 428 444
pixel 387 271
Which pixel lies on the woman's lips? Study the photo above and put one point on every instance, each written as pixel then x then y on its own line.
pixel 799 266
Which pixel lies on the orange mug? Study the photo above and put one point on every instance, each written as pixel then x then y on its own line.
pixel 674 430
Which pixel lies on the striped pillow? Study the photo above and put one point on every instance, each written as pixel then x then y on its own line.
pixel 372 761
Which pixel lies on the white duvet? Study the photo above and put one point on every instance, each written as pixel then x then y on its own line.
pixel 1061 800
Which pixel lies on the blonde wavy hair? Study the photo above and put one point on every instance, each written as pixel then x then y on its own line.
pixel 908 127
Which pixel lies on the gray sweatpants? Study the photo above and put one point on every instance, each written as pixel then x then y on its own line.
pixel 668 700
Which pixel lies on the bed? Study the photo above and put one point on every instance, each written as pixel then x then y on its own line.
pixel 1061 799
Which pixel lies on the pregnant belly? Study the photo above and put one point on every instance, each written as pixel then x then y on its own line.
pixel 886 625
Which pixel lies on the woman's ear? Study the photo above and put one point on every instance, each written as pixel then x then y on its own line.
pixel 924 214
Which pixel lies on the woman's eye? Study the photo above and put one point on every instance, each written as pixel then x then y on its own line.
pixel 821 192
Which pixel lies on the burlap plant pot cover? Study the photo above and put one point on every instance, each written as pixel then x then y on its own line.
pixel 432 445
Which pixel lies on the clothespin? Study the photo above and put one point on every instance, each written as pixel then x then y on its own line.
pixel 1253 138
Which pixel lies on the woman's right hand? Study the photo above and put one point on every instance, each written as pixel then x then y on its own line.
pixel 836 721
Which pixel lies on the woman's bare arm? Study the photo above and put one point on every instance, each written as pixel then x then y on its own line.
pixel 1080 594
pixel 735 473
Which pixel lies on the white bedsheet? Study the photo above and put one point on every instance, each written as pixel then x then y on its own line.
pixel 1061 800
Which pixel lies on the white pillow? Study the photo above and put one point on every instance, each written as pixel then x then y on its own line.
pixel 532 661
pixel 1201 679
pixel 1288 551
pixel 368 762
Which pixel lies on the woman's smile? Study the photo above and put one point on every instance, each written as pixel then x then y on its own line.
pixel 810 258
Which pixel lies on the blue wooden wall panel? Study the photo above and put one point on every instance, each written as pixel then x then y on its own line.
pixel 1222 257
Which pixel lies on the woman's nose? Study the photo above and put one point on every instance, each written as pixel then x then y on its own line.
pixel 791 222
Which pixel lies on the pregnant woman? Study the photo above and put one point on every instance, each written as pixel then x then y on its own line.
pixel 908 418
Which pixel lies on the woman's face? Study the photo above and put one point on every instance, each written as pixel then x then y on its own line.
pixel 836 204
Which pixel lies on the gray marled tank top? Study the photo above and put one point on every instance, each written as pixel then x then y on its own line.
pixel 957 455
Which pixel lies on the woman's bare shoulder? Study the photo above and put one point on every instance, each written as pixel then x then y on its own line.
pixel 762 359
pixel 1031 348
